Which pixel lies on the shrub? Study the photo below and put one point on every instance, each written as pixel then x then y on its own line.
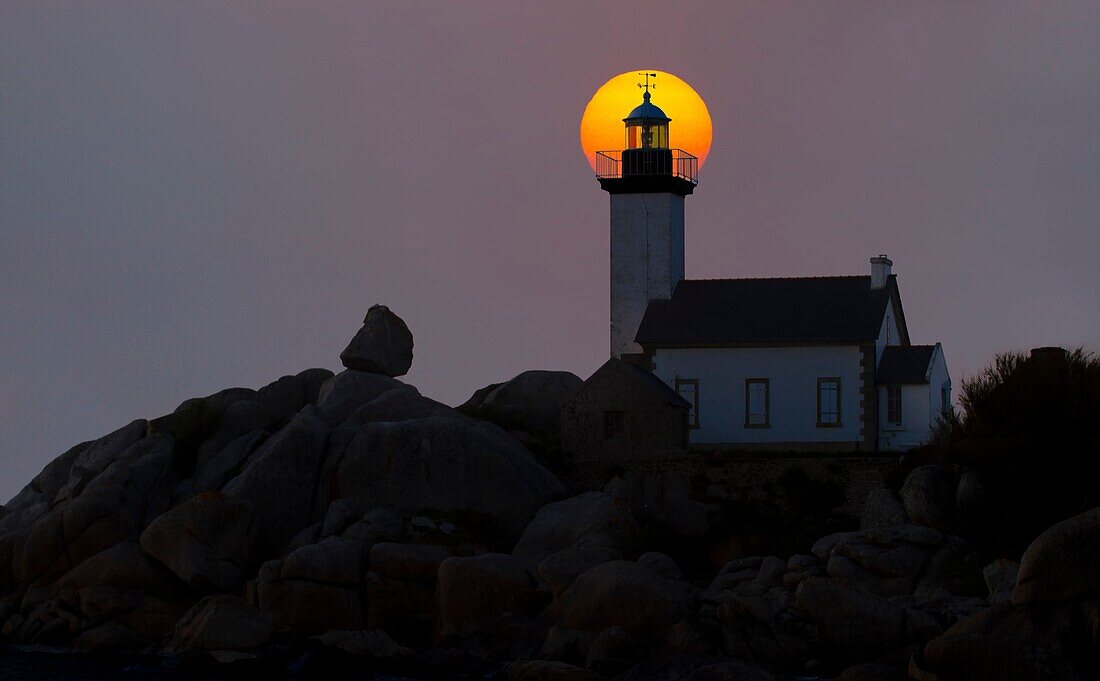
pixel 1053 394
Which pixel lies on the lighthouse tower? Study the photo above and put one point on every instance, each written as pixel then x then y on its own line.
pixel 647 182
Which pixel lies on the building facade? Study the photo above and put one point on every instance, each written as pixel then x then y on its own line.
pixel 797 363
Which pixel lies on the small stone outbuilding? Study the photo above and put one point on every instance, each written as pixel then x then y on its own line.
pixel 624 413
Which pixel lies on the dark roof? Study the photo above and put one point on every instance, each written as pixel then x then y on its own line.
pixel 658 386
pixel 904 364
pixel 788 310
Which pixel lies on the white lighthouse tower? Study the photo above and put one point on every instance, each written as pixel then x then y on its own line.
pixel 647 182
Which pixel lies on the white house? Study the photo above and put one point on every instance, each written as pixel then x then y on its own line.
pixel 811 364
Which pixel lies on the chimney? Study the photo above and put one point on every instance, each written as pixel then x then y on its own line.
pixel 880 271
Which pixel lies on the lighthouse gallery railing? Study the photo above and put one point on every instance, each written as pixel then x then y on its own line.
pixel 609 164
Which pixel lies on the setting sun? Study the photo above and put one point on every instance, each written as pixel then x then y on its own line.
pixel 602 122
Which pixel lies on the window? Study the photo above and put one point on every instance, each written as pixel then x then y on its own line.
pixel 756 403
pixel 945 399
pixel 688 388
pixel 828 402
pixel 893 405
pixel 612 425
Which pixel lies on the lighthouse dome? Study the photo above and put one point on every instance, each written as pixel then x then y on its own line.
pixel 647 110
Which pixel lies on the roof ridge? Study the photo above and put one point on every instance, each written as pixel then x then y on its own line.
pixel 825 276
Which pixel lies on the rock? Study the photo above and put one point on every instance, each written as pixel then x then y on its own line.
pixel 399 405
pixel 1000 578
pixel 662 564
pixel 662 500
pixel 221 466
pixel 366 643
pixel 341 515
pixel 452 467
pixel 590 519
pixel 624 594
pixel 413 562
pixel 566 645
pixel 113 506
pixel 378 525
pixel 333 560
pixel 109 637
pixel 383 346
pixel 881 509
pixel 220 623
pixel 530 402
pixel 286 396
pixel 315 588
pixel 401 590
pixel 559 569
pixel 206 541
pixel 1001 642
pixel 613 651
pixel 690 637
pixel 89 462
pixel 736 572
pixel 472 591
pixel 280 480
pixel 304 607
pixel 928 496
pixel 347 391
pixel 696 668
pixel 851 620
pixel 752 630
pixel 310 534
pixel 973 501
pixel 546 670
pixel 1061 564
pixel 872 672
pixel 122 566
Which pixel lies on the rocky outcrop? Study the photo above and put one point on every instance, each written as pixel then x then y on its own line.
pixel 401 590
pixel 314 588
pixel 625 594
pixel 357 517
pixel 206 541
pixel 465 469
pixel 531 402
pixel 592 519
pixel 473 591
pixel 280 480
pixel 219 623
pixel 662 501
pixel 384 345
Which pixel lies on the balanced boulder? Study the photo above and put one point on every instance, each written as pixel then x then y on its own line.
pixel 383 346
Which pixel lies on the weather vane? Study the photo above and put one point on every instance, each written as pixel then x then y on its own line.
pixel 647 85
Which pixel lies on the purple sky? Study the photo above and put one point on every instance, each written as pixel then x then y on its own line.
pixel 200 195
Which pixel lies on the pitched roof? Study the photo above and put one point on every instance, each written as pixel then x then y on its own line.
pixel 658 386
pixel 904 364
pixel 783 310
pixel 637 379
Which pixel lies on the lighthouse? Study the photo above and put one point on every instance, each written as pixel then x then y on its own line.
pixel 647 181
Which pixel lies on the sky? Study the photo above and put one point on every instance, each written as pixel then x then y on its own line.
pixel 201 195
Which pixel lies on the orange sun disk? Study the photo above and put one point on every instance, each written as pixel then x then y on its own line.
pixel 602 127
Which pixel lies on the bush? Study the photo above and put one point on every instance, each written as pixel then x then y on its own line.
pixel 1028 424
pixel 1053 394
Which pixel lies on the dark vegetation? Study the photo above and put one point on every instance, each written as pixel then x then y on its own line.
pixel 1029 425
